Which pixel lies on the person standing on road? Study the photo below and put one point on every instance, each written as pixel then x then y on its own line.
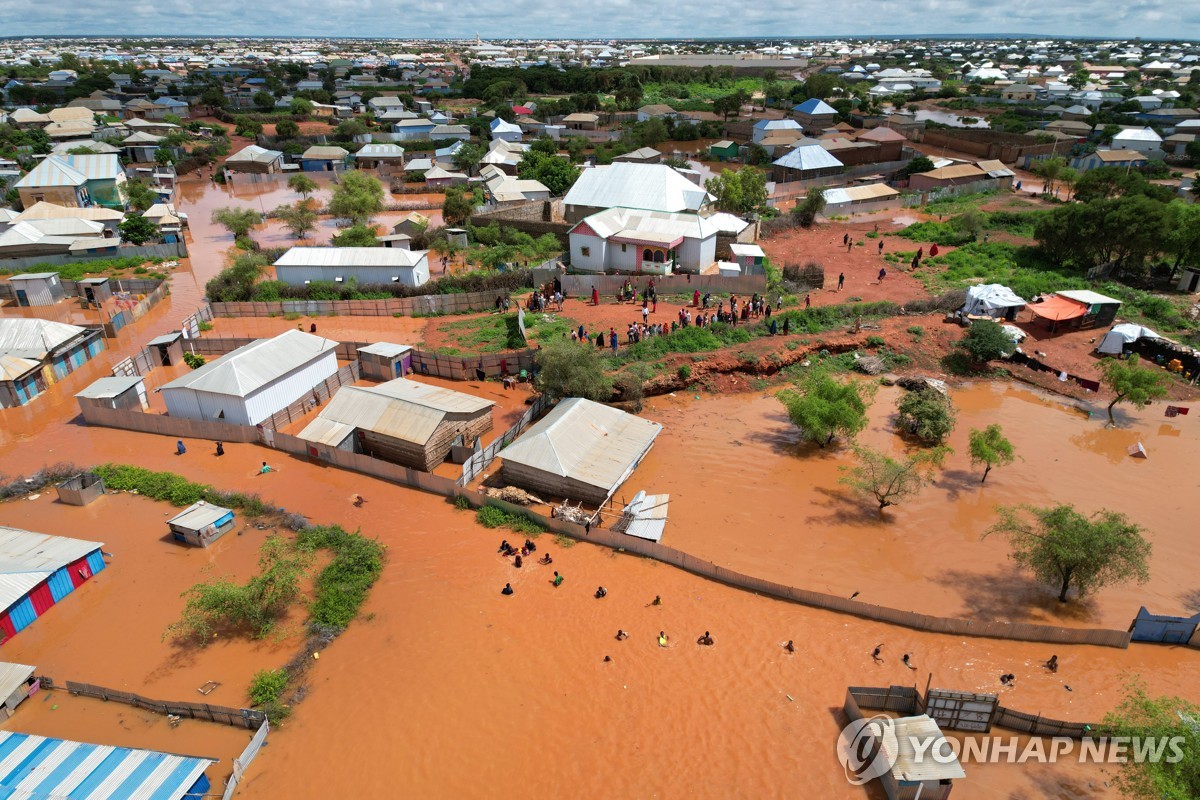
pixel 841 280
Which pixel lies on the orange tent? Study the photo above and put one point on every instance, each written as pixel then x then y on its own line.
pixel 1057 307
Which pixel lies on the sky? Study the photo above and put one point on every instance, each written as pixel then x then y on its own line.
pixel 617 18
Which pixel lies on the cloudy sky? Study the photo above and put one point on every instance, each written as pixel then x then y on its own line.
pixel 616 18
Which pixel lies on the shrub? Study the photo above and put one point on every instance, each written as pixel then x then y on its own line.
pixel 495 517
pixel 194 360
pixel 462 503
pixel 267 686
pixel 875 341
pixel 342 586
pixel 684 372
pixel 927 415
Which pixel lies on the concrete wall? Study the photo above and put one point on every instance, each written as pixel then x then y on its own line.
pixel 417 275
pixel 608 285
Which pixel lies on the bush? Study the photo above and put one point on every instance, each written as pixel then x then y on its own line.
pixel 267 686
pixel 876 341
pixel 495 517
pixel 342 586
pixel 926 414
pixel 684 372
pixel 194 360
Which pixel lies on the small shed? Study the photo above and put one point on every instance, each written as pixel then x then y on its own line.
pixel 95 290
pixel 384 361
pixel 724 150
pixel 645 516
pixel 80 490
pixel 401 421
pixel 918 773
pixel 167 350
pixel 16 685
pixel 749 257
pixel 456 236
pixel 1189 280
pixel 37 288
pixel 729 269
pixel 201 524
pixel 324 158
pixel 39 571
pixel 581 450
pixel 117 392
pixel 1101 310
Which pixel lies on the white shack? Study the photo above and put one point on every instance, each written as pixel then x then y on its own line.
pixel 368 266
pixel 253 382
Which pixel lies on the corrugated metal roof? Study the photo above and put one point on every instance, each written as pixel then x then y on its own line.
pixel 815 107
pixel 808 157
pixel 402 409
pixel 27 558
pixel 380 151
pixel 654 187
pixel 53 171
pixel 385 349
pixel 255 365
pixel 325 153
pixel 255 155
pixel 644 517
pixel 44 210
pixel 907 765
pixel 955 171
pixel 590 442
pixel 105 388
pixel 349 257
pixel 861 194
pixel 636 223
pixel 12 677
pixel 12 367
pixel 68 226
pixel 34 338
pixel 199 515
pixel 33 276
pixel 40 768
pixel 1088 297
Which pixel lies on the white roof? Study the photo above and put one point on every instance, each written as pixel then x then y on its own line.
pixel 751 250
pixel 1131 332
pixel 727 223
pixel 349 257
pixel 1088 297
pixel 1137 135
pixel 105 388
pixel 655 187
pixel 808 157
pixel 850 194
pixel 990 297
pixel 200 515
pixel 12 367
pixel 34 338
pixel 402 409
pixel 44 210
pixel 255 365
pixel 380 151
pixel 255 154
pixel 630 222
pixel 644 517
pixel 589 442
pixel 28 558
pixel 907 764
pixel 321 152
pixel 13 676
pixel 385 349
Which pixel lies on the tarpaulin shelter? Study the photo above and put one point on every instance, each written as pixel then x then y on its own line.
pixel 1056 309
pixel 1126 333
pixel 992 299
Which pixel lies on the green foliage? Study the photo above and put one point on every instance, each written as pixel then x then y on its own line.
pixel 1064 548
pixel 986 341
pixel 823 408
pixel 916 165
pixel 916 332
pixel 990 448
pixel 137 230
pixel 926 414
pixel 348 129
pixel 887 480
pixel 252 608
pixel 267 686
pixel 458 205
pixel 301 184
pixel 1157 719
pixel 237 281
pixel 1126 230
pixel 342 587
pixel 876 341
pixel 238 221
pixel 684 372
pixel 300 219
pixel 495 517
pixel 244 126
pixel 739 192
pixel 805 214
pixel 139 194
pixel 467 157
pixel 1132 383
pixel 357 197
pixel 555 172
pixel 356 236
pixel 572 369
pixel 193 360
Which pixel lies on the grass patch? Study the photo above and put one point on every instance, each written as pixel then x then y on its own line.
pixel 496 333
pixel 958 204
pixel 176 489
pixel 565 542
pixel 1020 268
pixel 495 517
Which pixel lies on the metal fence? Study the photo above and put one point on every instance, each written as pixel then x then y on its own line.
pixel 146 251
pixel 422 305
pixel 320 393
pixel 243 761
pixel 580 285
pixel 483 459
pixel 140 363
pixel 238 717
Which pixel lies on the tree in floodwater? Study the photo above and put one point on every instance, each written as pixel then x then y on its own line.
pixel 823 408
pixel 890 481
pixel 1132 383
pixel 1062 547
pixel 990 448
pixel 926 414
pixel 1171 720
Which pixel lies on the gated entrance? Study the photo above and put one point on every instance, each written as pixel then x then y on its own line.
pixel 1149 627
pixel 961 711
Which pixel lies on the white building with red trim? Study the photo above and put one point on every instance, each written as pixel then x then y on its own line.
pixel 630 240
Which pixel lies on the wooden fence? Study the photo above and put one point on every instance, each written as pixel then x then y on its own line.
pixel 320 393
pixel 238 717
pixel 483 459
pixel 422 305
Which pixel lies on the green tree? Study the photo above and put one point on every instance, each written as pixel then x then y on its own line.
pixel 990 448
pixel 357 197
pixel 1064 548
pixel 741 192
pixel 986 341
pixel 1183 234
pixel 237 221
pixel 805 213
pixel 1158 719
pixel 300 219
pixel 357 236
pixel 163 156
pixel 300 107
pixel 1078 79
pixel 555 172
pixel 264 101
pixel 287 129
pixel 571 369
pixel 458 205
pixel 576 146
pixel 137 230
pixel 823 408
pixel 348 129
pixel 247 127
pixel 1130 382
pixel 651 133
pixel 926 414
pixel 139 194
pixel 467 157
pixel 302 185
pixel 889 481
pixel 915 166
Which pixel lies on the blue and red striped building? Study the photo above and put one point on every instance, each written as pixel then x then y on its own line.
pixel 37 571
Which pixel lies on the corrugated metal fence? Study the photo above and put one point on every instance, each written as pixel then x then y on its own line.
pixel 608 285
pixel 481 460
pixel 320 393
pixel 243 761
pixel 238 717
pixel 423 305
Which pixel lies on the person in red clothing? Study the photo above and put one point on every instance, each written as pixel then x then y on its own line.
pixel 696 299
pixel 595 296
pixel 933 250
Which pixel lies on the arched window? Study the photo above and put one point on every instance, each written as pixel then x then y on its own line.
pixel 659 256
pixel 647 254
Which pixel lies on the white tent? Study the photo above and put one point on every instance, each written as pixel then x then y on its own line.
pixel 993 299
pixel 1126 333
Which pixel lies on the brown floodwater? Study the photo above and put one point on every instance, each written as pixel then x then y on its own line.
pixel 746 494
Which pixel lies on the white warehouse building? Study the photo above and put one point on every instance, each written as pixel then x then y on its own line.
pixel 366 265
pixel 255 381
pixel 632 240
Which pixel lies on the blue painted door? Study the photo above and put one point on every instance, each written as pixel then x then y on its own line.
pixel 95 561
pixel 22 614
pixel 60 585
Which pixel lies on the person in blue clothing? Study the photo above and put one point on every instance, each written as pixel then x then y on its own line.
pixel 612 339
pixel 180 449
